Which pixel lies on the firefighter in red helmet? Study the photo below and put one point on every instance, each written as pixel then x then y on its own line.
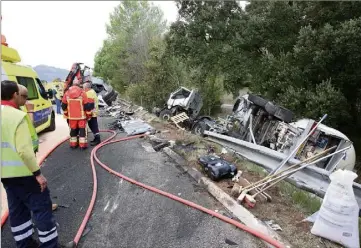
pixel 78 110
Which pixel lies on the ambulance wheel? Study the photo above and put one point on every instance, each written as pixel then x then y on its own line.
pixel 52 123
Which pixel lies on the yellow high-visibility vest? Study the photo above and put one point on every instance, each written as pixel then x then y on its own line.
pixel 11 163
pixel 93 95
pixel 33 134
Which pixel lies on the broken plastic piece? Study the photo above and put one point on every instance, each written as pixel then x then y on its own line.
pixel 274 226
pixel 230 242
pixel 217 167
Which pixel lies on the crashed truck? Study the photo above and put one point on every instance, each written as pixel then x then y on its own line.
pixel 263 123
pixel 263 132
pixel 187 101
pixel 260 122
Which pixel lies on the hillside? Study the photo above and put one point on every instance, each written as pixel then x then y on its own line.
pixel 49 73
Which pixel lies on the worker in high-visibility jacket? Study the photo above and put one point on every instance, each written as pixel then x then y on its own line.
pixel 25 186
pixel 93 122
pixel 23 97
pixel 77 108
pixel 22 102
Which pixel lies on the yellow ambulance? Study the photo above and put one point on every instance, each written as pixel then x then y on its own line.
pixel 39 108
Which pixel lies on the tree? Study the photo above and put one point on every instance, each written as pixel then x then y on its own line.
pixel 122 58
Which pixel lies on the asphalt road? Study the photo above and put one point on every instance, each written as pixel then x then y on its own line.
pixel 126 215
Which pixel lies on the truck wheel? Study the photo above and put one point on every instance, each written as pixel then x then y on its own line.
pixel 199 128
pixel 165 114
pixel 52 123
pixel 257 100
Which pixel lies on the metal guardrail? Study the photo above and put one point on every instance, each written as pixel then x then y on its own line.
pixel 311 179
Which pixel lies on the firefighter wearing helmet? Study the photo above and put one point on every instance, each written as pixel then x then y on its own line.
pixel 77 109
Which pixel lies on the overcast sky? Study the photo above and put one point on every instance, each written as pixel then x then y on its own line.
pixel 59 33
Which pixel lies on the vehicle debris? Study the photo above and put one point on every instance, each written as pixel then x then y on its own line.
pixel 137 126
pixel 237 176
pixel 87 230
pixel 161 146
pixel 115 125
pixel 147 147
pixel 272 225
pixel 229 242
pixel 63 206
pixel 216 167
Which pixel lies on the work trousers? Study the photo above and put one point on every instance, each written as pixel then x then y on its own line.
pixel 58 106
pixel 25 197
pixel 78 128
pixel 93 125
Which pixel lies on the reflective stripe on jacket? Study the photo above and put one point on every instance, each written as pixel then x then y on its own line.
pixel 91 94
pixel 11 163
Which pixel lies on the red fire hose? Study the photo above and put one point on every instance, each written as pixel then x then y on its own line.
pixel 94 156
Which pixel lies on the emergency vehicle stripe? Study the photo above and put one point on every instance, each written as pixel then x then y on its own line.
pixel 21 227
pixel 24 235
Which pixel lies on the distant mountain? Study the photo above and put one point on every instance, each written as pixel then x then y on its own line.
pixel 49 73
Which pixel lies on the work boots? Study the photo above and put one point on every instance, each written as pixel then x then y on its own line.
pixel 96 140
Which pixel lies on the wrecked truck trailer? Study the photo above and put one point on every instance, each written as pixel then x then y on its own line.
pixel 266 136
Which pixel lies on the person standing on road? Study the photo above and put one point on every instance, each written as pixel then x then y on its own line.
pixel 57 99
pixel 93 122
pixel 77 109
pixel 25 186
pixel 22 101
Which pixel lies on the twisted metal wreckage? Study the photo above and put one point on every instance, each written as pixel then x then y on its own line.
pixel 263 132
